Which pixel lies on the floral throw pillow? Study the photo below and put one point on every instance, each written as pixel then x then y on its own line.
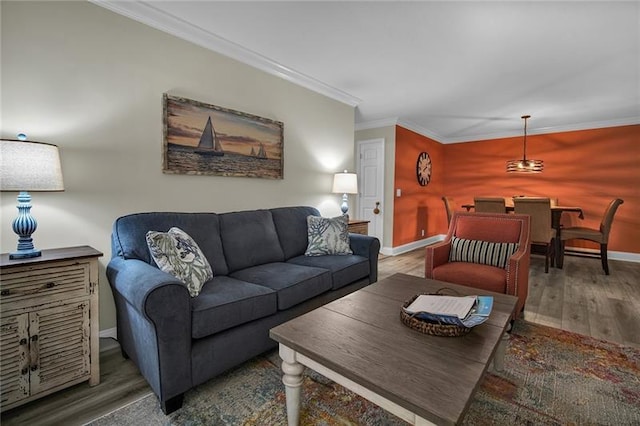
pixel 177 254
pixel 327 236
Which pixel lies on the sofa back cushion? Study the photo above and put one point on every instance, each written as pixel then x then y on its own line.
pixel 249 239
pixel 128 238
pixel 291 225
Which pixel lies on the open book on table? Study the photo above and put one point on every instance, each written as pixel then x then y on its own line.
pixel 464 311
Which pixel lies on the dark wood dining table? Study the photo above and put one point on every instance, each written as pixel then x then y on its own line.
pixel 556 216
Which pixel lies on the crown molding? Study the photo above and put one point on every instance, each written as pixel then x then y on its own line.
pixel 147 14
pixel 628 121
pixel 395 121
pixel 376 124
pixel 421 130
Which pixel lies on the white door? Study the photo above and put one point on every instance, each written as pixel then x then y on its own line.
pixel 370 158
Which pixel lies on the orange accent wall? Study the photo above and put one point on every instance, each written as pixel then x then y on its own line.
pixel 416 208
pixel 586 168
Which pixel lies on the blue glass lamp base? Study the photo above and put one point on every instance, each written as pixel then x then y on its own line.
pixel 345 206
pixel 25 254
pixel 24 225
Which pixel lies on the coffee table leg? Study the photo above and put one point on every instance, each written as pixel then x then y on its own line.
pixel 498 358
pixel 292 379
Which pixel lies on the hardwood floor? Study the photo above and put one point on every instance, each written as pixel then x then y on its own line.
pixel 578 298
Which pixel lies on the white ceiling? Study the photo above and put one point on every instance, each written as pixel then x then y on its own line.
pixel 452 70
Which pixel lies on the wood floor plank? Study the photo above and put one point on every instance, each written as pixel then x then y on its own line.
pixel 575 317
pixel 627 317
pixel 605 328
pixel 551 304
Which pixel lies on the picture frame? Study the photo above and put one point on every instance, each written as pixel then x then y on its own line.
pixel 205 139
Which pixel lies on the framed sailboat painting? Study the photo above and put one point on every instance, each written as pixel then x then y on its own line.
pixel 204 139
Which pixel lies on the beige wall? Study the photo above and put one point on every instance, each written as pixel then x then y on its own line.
pixel 91 81
pixel 387 133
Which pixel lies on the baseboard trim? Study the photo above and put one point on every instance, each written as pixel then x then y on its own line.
pixel 109 333
pixel 394 251
pixel 612 255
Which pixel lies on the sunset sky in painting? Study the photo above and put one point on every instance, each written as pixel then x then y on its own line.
pixel 236 133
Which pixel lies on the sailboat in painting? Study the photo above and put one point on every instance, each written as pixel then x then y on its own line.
pixel 209 143
pixel 262 153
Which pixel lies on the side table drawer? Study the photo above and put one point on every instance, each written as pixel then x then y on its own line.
pixel 26 286
pixel 359 227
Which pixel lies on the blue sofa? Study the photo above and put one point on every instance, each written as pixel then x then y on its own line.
pixel 261 279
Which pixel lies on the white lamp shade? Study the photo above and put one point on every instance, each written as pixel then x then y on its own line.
pixel 345 183
pixel 29 166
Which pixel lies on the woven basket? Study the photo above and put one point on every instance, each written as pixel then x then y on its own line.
pixel 428 327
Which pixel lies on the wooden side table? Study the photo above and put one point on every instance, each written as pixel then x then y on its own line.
pixel 359 226
pixel 49 323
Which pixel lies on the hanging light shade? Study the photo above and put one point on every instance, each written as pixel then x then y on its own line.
pixel 524 165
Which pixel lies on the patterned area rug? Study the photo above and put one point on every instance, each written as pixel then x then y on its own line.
pixel 551 377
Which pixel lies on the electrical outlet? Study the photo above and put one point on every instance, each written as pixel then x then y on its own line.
pixel 398 192
pixel 423 232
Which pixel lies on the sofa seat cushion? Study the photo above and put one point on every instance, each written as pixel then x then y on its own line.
pixel 226 302
pixel 345 269
pixel 292 283
pixel 485 277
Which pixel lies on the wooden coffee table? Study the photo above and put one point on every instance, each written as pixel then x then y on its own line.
pixel 359 342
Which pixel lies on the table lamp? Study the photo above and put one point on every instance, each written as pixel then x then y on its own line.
pixel 28 166
pixel 345 183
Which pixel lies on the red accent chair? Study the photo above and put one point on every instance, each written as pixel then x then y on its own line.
pixel 487 227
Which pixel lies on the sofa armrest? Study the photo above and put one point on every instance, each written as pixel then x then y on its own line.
pixel 154 323
pixel 369 247
pixel 135 280
pixel 435 255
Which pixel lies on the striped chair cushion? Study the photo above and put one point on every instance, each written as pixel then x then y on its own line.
pixel 484 252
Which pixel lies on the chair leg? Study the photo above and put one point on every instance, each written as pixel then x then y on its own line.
pixel 603 257
pixel 546 259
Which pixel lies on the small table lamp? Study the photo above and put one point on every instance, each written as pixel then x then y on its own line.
pixel 28 166
pixel 345 183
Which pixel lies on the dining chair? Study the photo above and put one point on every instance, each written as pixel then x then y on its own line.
pixel 600 236
pixel 489 205
pixel 542 233
pixel 449 206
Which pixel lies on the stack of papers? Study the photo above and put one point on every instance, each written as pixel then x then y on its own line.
pixel 464 311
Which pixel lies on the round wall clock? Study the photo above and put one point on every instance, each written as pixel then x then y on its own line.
pixel 423 168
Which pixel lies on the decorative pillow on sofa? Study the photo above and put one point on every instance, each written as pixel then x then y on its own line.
pixel 484 252
pixel 327 236
pixel 177 254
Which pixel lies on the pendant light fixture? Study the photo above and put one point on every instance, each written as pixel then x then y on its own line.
pixel 525 165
